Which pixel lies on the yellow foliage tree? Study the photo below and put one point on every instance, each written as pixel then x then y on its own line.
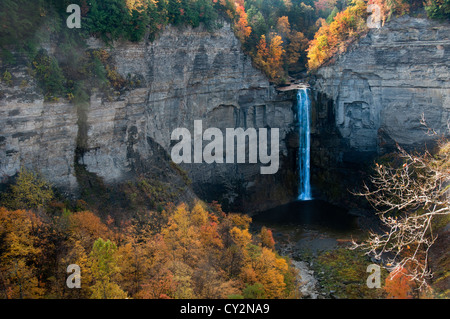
pixel 283 26
pixel 181 236
pixel 274 59
pixel 269 271
pixel 18 253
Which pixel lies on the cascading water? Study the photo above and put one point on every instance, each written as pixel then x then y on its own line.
pixel 304 106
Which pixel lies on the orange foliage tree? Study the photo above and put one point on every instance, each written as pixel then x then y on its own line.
pixel 266 238
pixel 398 285
pixel 389 8
pixel 283 26
pixel 242 28
pixel 270 58
pixel 336 36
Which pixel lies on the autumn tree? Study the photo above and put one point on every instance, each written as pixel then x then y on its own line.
pixel 104 270
pixel 161 286
pixel 138 5
pixel 181 236
pixel 18 253
pixel 283 26
pixel 335 37
pixel 211 282
pixel 398 286
pixel 295 51
pixel 134 262
pixel 76 254
pixel 391 8
pixel 86 227
pixel 242 28
pixel 266 238
pixel 274 59
pixel 325 4
pixel 262 53
pixel 294 43
pixel 29 191
pixel 269 271
pixel 270 57
pixel 144 261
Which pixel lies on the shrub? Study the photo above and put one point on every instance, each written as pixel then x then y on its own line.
pixel 438 9
pixel 29 191
pixel 49 75
pixel 7 78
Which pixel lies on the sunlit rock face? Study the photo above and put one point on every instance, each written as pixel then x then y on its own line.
pixel 34 133
pixel 373 96
pixel 184 75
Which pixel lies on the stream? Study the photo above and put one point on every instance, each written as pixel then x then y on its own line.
pixel 307 228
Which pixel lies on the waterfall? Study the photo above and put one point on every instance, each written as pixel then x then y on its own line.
pixel 304 109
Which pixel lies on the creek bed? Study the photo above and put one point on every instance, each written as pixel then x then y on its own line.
pixel 304 229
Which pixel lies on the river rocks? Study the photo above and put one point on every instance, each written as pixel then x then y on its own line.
pixel 307 282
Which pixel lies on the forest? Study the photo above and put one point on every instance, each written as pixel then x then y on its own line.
pixel 171 252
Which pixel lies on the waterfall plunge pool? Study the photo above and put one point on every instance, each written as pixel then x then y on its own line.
pixel 303 230
pixel 314 214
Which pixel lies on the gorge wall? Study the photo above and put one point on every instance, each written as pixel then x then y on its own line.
pixel 364 102
pixel 184 75
pixel 373 96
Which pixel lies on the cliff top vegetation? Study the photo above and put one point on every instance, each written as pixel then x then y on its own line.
pixel 284 37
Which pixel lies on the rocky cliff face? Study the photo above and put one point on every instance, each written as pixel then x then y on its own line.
pixel 184 75
pixel 373 96
pixel 36 134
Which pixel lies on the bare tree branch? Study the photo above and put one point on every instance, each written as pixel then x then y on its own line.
pixel 407 198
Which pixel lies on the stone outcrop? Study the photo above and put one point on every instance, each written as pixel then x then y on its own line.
pixel 36 134
pixel 184 75
pixel 373 96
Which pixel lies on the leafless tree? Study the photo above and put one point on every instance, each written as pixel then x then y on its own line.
pixel 407 197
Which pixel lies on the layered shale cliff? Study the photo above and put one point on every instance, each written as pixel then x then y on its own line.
pixel 184 75
pixel 373 96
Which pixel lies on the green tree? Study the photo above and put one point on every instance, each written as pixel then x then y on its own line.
pixel 30 191
pixel 107 19
pixel 255 291
pixel 19 20
pixel 438 9
pixel 49 75
pixel 332 15
pixel 104 269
